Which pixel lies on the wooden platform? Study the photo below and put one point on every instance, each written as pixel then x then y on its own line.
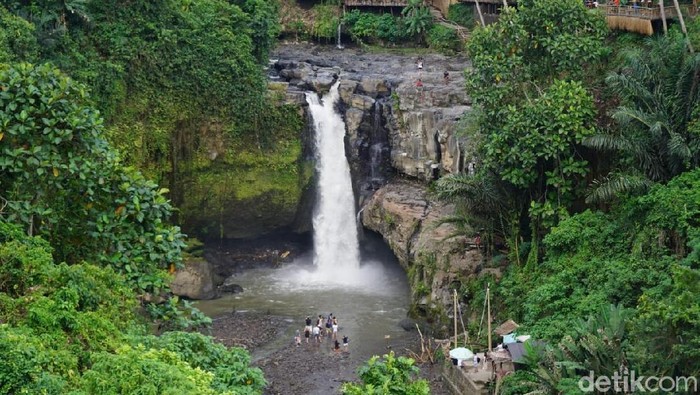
pixel 375 3
pixel 640 12
pixel 637 19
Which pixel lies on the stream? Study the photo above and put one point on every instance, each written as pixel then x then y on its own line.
pixel 368 310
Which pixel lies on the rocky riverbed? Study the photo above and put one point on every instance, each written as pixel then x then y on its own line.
pixel 313 368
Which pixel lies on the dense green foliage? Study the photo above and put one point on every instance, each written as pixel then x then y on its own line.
pixel 389 375
pixel 17 40
pixel 371 28
pixel 657 130
pixel 74 329
pixel 534 110
pixel 156 70
pixel 444 39
pixel 604 286
pixel 60 179
pixel 414 25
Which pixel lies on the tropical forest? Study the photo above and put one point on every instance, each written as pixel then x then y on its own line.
pixel 359 197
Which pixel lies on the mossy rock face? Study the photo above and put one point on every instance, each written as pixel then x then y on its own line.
pixel 234 186
pixel 213 210
pixel 247 200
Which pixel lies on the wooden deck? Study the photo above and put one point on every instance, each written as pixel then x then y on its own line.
pixel 639 19
pixel 640 12
pixel 375 3
pixel 510 2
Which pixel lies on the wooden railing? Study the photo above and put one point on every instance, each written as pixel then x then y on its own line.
pixel 642 12
pixel 376 3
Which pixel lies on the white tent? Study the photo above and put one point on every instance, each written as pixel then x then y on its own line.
pixel 461 354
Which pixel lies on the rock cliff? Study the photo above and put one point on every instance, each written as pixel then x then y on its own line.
pixel 400 136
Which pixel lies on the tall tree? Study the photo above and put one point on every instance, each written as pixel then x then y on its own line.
pixel 533 108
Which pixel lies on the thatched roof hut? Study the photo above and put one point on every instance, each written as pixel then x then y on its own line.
pixel 506 328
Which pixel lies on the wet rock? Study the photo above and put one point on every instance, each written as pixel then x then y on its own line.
pixel 195 281
pixel 410 221
pixel 419 127
pixel 230 287
pixel 407 324
pixel 374 87
pixel 323 81
pixel 361 102
pixel 346 89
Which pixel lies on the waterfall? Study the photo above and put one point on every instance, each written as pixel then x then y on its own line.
pixel 340 45
pixel 336 246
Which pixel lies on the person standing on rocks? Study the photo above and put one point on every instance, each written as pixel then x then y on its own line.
pixel 329 324
pixel 307 329
pixel 334 325
pixel 317 334
pixel 297 338
pixel 319 324
pixel 345 342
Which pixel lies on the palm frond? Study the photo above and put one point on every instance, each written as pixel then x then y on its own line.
pixel 607 142
pixel 477 193
pixel 614 185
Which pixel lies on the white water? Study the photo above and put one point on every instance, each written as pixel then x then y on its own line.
pixel 340 45
pixel 336 246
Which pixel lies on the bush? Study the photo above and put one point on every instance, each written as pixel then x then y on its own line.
pixel 389 375
pixel 230 366
pixel 461 14
pixel 369 27
pixel 444 39
pixel 326 20
pixel 138 370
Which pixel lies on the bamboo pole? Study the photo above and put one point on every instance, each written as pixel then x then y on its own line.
pixel 663 16
pixel 680 19
pixel 454 298
pixel 488 313
pixel 481 16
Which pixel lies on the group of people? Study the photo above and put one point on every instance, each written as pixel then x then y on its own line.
pixel 419 82
pixel 316 329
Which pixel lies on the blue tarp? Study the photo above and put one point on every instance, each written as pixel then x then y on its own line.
pixel 510 338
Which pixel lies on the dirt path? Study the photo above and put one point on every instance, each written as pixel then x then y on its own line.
pixel 311 368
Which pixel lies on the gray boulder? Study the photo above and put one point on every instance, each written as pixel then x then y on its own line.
pixel 195 281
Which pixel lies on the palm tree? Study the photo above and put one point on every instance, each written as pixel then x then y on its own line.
pixel 659 92
pixel 486 204
pixel 417 17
